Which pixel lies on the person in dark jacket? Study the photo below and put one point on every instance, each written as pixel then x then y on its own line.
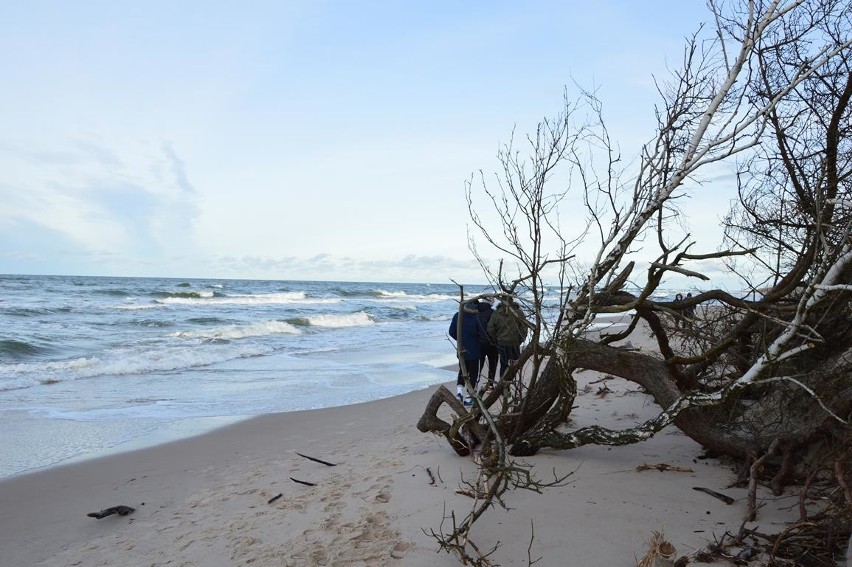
pixel 487 345
pixel 470 339
pixel 689 312
pixel 509 329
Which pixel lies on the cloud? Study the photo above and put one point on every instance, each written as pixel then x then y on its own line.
pixel 409 268
pixel 178 168
pixel 93 198
pixel 299 141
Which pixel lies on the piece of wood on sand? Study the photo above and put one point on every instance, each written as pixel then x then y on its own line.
pixel 723 497
pixel 314 459
pixel 120 510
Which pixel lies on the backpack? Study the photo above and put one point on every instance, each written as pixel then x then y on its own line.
pixel 518 325
pixel 520 331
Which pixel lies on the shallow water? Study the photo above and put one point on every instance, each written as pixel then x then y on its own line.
pixel 88 365
pixel 91 365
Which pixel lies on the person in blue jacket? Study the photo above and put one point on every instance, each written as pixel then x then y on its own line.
pixel 470 339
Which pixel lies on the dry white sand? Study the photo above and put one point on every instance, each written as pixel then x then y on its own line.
pixel 204 501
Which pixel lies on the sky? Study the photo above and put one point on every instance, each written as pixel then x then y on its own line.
pixel 306 140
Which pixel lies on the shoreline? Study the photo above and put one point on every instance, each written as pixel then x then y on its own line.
pixel 189 428
pixel 99 365
pixel 174 430
pixel 212 499
pixel 43 513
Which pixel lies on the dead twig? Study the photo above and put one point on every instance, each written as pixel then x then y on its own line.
pixel 326 463
pixel 724 498
pixel 431 476
pixel 754 471
pixel 663 467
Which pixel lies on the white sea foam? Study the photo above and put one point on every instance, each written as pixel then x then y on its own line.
pixel 285 298
pixel 195 357
pixel 25 375
pixel 384 293
pixel 358 319
pixel 124 363
pixel 233 332
pixel 432 297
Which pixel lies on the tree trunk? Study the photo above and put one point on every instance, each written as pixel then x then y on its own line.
pixel 463 435
pixel 788 413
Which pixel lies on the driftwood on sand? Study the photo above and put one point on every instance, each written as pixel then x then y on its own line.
pixel 467 434
pixel 120 510
pixel 314 459
pixel 724 498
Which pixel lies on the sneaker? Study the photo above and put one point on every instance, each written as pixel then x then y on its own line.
pixel 468 402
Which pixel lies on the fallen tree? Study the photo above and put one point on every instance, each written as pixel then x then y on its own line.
pixel 761 374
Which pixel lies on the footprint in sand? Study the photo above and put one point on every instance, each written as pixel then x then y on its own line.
pixel 330 524
pixel 384 494
pixel 400 549
pixel 320 556
pixel 334 506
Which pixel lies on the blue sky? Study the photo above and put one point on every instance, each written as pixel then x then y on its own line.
pixel 292 140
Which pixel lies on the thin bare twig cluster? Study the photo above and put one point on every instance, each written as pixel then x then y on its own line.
pixel 761 375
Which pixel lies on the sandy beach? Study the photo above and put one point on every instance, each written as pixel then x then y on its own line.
pixel 231 497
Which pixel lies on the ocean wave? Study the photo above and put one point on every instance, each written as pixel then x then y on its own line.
pixel 283 298
pixel 123 364
pixel 358 319
pixel 184 294
pixel 427 297
pixel 385 294
pixel 391 294
pixel 33 311
pixel 432 318
pixel 152 323
pixel 136 307
pixel 19 349
pixel 206 320
pixel 112 292
pixel 346 292
pixel 234 332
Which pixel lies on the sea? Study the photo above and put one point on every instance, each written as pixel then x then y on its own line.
pixel 95 365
